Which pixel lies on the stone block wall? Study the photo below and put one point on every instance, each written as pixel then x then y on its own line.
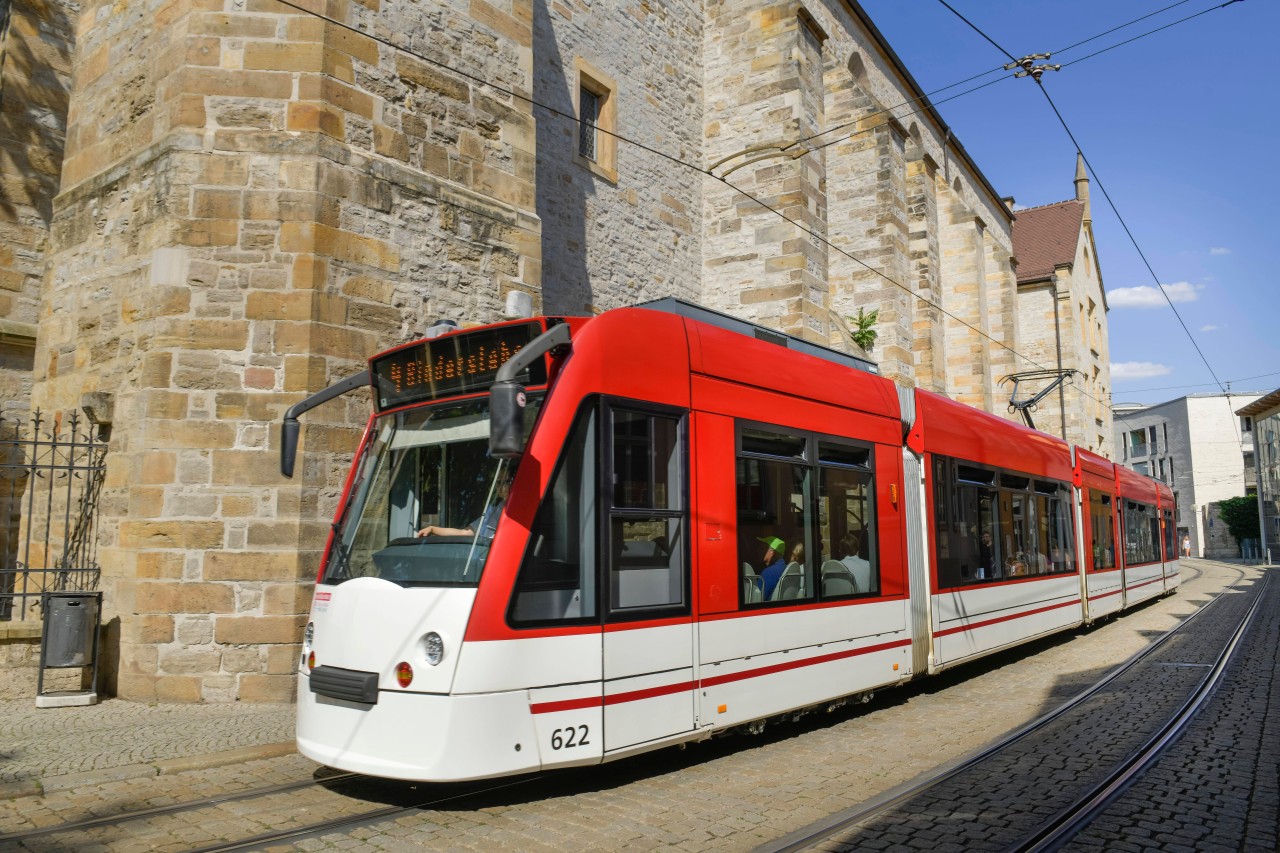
pixel 764 71
pixel 35 76
pixel 626 232
pixel 255 200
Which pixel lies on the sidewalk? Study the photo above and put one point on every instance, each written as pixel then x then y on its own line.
pixel 55 748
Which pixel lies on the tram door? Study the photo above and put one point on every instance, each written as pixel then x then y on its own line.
pixel 648 636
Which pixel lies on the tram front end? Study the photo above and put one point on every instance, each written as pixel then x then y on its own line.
pixel 422 511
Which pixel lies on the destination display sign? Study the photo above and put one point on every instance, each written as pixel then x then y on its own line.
pixel 456 364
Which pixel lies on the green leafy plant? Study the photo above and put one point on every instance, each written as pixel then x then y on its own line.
pixel 1241 517
pixel 865 334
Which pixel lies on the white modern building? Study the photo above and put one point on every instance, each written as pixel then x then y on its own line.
pixel 1197 444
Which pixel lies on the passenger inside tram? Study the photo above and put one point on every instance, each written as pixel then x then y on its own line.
pixel 859 567
pixel 774 563
pixel 986 557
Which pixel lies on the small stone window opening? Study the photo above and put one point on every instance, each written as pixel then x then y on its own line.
pixel 597 95
pixel 588 119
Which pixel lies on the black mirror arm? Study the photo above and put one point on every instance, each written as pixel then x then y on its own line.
pixel 290 428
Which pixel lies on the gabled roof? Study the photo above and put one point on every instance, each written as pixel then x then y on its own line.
pixel 1263 404
pixel 1046 237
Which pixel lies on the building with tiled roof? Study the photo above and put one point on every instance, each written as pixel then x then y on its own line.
pixel 1062 316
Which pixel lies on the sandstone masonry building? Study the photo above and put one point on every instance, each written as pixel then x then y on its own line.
pixel 256 195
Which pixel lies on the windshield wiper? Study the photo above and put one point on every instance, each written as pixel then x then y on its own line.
pixel 344 554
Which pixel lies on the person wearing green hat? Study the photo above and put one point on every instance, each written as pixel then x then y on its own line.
pixel 775 564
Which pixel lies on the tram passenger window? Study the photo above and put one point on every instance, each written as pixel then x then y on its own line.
pixel 775 512
pixel 966 523
pixel 992 525
pixel 647 518
pixel 846 527
pixel 557 575
pixel 1141 530
pixel 1062 550
pixel 1102 530
pixel 1170 547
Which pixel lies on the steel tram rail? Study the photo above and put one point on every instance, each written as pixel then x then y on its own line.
pixel 876 806
pixel 316 828
pixel 373 816
pixel 172 808
pixel 895 798
pixel 1055 834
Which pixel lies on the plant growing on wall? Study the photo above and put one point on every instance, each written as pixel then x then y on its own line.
pixel 865 334
pixel 1241 517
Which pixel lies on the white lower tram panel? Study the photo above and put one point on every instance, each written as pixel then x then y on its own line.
pixel 477 714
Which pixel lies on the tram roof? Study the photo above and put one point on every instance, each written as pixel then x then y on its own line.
pixel 672 305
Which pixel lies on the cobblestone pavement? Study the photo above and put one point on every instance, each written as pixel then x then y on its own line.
pixel 1218 787
pixel 46 742
pixel 995 804
pixel 729 794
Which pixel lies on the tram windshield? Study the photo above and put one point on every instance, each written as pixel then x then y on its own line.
pixel 427 471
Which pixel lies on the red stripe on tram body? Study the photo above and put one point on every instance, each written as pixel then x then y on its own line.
pixel 962 628
pixel 667 689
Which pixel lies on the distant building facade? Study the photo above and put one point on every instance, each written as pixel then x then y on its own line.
pixel 1062 316
pixel 1262 417
pixel 255 199
pixel 1196 446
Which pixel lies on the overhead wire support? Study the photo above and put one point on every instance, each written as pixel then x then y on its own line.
pixel 1079 150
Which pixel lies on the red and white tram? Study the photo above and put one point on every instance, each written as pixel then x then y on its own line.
pixel 565 541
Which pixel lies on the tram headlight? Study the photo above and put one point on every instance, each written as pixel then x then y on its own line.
pixel 433 644
pixel 309 635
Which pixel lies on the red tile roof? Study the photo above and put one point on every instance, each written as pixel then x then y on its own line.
pixel 1046 237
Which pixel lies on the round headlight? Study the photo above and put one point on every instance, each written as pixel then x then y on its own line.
pixel 434 647
pixel 309 635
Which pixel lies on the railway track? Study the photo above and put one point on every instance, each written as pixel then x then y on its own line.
pixel 357 791
pixel 920 797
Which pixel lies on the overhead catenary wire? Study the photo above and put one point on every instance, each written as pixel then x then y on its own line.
pixel 1149 33
pixel 1102 186
pixel 676 160
pixel 671 158
pixel 930 94
pixel 1193 385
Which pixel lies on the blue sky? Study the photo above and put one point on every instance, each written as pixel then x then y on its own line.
pixel 1181 127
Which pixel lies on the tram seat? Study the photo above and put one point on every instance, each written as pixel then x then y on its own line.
pixel 791 584
pixel 750 585
pixel 837 579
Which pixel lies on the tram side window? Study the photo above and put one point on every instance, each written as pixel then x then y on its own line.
pixel 966 523
pixel 647 516
pixel 806 517
pixel 557 575
pixel 991 526
pixel 1170 531
pixel 774 512
pixel 846 521
pixel 1102 530
pixel 1140 534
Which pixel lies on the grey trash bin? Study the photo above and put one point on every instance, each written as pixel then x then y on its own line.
pixel 69 639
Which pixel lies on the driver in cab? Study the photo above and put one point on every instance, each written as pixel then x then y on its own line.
pixel 485 525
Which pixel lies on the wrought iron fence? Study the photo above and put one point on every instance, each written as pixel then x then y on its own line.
pixel 51 474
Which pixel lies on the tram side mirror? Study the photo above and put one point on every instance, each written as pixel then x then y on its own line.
pixel 506 420
pixel 289 445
